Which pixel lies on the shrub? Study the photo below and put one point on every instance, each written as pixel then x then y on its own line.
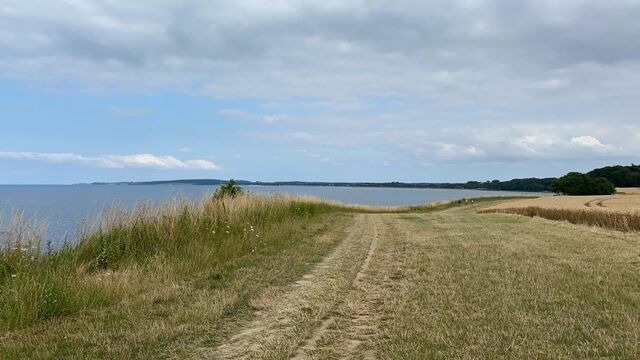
pixel 228 190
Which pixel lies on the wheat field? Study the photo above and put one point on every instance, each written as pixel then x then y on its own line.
pixel 622 203
pixel 629 191
pixel 619 212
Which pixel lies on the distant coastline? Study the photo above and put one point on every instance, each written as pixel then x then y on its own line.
pixel 526 185
pixel 620 176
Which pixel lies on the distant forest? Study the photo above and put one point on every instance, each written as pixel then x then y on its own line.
pixel 621 176
pixel 528 185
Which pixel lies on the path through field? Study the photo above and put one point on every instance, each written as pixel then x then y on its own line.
pixel 336 293
pixel 455 284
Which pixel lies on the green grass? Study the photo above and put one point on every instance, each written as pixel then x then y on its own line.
pixel 149 267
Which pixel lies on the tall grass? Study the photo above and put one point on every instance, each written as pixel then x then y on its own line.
pixel 606 219
pixel 37 285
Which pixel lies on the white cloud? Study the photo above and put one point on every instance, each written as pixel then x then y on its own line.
pixel 185 149
pixel 439 81
pixel 340 49
pixel 590 142
pixel 275 118
pixel 148 161
pixel 502 143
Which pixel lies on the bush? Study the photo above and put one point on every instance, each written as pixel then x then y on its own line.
pixel 228 190
pixel 575 183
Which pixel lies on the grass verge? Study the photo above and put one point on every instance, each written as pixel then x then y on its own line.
pixel 145 280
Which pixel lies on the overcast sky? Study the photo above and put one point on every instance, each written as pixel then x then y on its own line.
pixel 316 90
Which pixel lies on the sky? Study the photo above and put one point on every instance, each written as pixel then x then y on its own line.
pixel 413 90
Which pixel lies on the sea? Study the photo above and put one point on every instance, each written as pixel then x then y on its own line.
pixel 64 210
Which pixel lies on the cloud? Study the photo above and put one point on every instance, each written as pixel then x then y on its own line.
pixel 591 143
pixel 146 161
pixel 337 49
pixel 502 143
pixel 185 149
pixel 437 81
pixel 275 118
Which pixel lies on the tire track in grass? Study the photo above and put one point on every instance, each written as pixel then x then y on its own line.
pixel 311 344
pixel 285 321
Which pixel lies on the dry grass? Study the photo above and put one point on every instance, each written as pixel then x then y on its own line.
pixel 455 284
pixel 144 281
pixel 163 281
pixel 619 212
pixel 475 286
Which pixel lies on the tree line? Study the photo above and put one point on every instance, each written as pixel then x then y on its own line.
pixel 601 181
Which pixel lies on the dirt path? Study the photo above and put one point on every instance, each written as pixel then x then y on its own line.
pixel 299 323
pixel 361 320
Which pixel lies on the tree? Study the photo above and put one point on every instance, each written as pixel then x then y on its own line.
pixel 228 190
pixel 621 176
pixel 575 183
pixel 602 186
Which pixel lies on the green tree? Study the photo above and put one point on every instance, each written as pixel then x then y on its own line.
pixel 575 183
pixel 621 176
pixel 228 190
pixel 602 186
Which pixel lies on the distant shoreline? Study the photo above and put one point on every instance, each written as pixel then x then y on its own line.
pixel 515 185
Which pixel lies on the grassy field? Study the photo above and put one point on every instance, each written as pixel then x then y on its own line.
pixel 497 286
pixel 282 278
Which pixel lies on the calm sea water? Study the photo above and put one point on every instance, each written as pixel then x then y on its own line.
pixel 65 208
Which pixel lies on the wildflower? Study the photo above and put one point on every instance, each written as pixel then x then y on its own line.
pixel 227 231
pixel 13 275
pixel 213 231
